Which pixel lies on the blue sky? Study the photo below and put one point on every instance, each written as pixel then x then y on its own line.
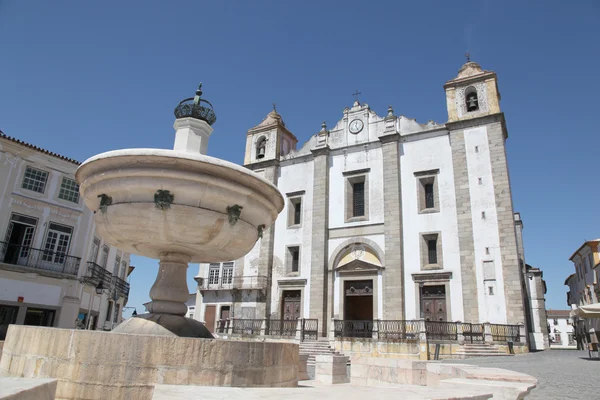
pixel 80 78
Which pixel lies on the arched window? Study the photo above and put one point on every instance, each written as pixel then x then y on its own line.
pixel 261 146
pixel 471 99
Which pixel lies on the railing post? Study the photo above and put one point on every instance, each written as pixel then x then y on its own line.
pixel 459 332
pixel 375 334
pixel 299 329
pixel 332 329
pixel 423 345
pixel 487 333
pixel 263 327
pixel 522 333
pixel 230 326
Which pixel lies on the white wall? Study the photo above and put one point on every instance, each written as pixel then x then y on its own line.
pixel 485 229
pixel 294 178
pixel 563 328
pixel 425 155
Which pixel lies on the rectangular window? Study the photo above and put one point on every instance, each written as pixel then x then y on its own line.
pixel 95 250
pixel 35 180
pixel 57 243
pixel 429 200
pixel 116 271
pixel 432 251
pixel 69 190
pixel 227 273
pixel 104 259
pixel 427 191
pixel 297 211
pixel 295 259
pixel 358 199
pixel 123 269
pixel 294 218
pixel 213 274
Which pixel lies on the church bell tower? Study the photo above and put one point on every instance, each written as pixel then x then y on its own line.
pixel 268 141
pixel 472 94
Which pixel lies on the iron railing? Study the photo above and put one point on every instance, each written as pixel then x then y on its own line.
pixel 397 330
pixel 121 286
pixel 234 282
pixel 473 333
pixel 246 326
pixel 353 329
pixel 441 330
pixel 505 333
pixel 96 274
pixel 310 328
pixel 272 327
pixel 45 260
pixel 281 327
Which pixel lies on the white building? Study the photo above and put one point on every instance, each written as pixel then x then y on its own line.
pixel 385 218
pixel 560 328
pixel 584 286
pixel 54 270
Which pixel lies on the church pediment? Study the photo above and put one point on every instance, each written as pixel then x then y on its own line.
pixel 359 266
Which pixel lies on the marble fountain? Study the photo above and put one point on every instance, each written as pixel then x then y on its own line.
pixel 178 206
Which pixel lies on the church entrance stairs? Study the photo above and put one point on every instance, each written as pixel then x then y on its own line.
pixel 481 350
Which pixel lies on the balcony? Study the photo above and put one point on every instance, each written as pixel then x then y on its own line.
pixel 42 260
pixel 232 283
pixel 121 287
pixel 96 274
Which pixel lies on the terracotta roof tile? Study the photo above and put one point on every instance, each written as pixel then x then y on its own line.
pixel 31 146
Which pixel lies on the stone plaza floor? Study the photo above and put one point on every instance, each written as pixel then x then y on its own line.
pixel 561 374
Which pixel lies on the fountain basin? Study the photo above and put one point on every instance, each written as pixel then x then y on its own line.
pixel 196 222
pixel 102 365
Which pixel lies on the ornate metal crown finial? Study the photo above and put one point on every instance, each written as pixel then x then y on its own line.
pixel 323 126
pixel 468 55
pixel 196 107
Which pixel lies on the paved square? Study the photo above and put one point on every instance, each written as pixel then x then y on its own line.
pixel 561 374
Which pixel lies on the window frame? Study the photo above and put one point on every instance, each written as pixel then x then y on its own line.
pixel 352 178
pixel 46 174
pixel 425 178
pixel 74 190
pixel 291 262
pixel 425 239
pixel 295 199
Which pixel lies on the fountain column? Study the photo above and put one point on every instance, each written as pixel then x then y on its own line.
pixel 170 290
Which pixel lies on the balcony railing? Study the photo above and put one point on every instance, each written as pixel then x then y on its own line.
pixel 235 282
pixel 45 260
pixel 96 274
pixel 121 286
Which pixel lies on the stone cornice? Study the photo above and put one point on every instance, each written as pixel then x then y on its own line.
pixel 262 164
pixel 320 151
pixel 291 282
pixel 470 79
pixel 390 137
pixel 432 276
pixel 478 121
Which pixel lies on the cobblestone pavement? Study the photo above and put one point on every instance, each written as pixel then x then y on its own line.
pixel 561 374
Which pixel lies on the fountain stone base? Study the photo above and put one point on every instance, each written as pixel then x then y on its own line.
pixel 109 365
pixel 164 325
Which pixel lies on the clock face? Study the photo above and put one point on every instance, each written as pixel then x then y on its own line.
pixel 356 126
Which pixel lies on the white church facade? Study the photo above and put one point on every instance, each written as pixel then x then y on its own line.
pixel 385 218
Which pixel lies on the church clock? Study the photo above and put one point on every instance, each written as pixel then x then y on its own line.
pixel 356 126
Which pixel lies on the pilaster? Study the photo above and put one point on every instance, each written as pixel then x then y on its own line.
pixel 319 279
pixel 265 264
pixel 465 227
pixel 511 270
pixel 393 278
